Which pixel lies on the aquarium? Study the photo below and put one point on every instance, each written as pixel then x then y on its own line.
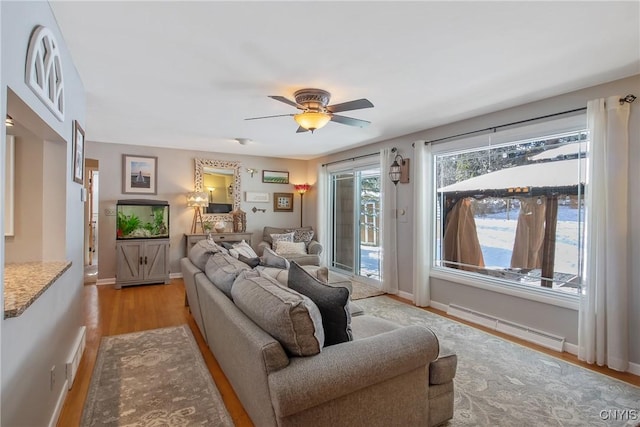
pixel 142 219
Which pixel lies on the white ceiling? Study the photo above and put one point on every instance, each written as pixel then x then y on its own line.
pixel 187 74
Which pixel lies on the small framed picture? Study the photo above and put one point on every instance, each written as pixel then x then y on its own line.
pixel 283 202
pixel 256 197
pixel 275 177
pixel 78 153
pixel 139 174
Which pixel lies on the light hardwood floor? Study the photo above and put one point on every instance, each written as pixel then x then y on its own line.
pixel 108 311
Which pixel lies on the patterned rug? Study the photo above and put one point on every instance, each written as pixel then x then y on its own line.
pixel 153 378
pixel 362 290
pixel 499 383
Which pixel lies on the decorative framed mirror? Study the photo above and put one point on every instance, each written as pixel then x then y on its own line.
pixel 220 179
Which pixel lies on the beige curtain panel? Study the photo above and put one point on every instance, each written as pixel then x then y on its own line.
pixel 461 244
pixel 527 246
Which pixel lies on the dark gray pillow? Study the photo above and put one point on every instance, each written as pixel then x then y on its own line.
pixel 251 262
pixel 333 303
pixel 272 259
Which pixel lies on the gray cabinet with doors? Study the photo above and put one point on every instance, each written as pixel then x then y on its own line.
pixel 141 262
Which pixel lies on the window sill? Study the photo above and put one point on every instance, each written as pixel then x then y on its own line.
pixel 495 285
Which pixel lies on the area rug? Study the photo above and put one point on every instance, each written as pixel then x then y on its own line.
pixel 153 378
pixel 500 383
pixel 362 290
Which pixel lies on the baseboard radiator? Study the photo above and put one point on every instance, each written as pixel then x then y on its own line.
pixel 535 336
pixel 76 354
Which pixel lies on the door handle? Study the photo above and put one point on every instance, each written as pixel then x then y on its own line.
pixel 145 260
pixel 140 260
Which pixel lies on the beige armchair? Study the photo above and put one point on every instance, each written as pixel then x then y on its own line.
pixel 313 249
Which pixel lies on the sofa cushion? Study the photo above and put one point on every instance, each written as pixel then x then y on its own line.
pixel 222 270
pixel 242 248
pixel 200 252
pixel 333 303
pixel 286 315
pixel 285 248
pixel 272 259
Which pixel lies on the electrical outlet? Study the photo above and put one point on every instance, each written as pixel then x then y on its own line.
pixel 52 377
pixel 110 212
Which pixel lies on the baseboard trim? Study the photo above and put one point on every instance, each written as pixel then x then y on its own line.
pixel 405 295
pixel 58 409
pixel 634 368
pixel 109 281
pixel 175 275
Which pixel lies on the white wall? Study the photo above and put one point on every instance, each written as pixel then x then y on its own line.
pixel 176 176
pixel 557 320
pixel 42 336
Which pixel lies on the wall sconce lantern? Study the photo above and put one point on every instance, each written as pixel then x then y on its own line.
pixel 399 172
pixel 8 121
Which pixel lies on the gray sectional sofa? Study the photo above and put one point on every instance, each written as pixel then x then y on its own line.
pixel 387 375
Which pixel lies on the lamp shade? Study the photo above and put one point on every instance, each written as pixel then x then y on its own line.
pixel 312 120
pixel 302 188
pixel 197 199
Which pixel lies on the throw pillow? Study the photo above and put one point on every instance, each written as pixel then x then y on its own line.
pixel 251 262
pixel 333 303
pixel 222 270
pixel 242 248
pixel 200 252
pixel 284 237
pixel 302 235
pixel 227 245
pixel 289 317
pixel 272 259
pixel 291 248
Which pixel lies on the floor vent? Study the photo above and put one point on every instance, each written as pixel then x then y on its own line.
pixel 76 355
pixel 535 336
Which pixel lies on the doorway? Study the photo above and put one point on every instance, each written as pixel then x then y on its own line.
pixel 91 169
pixel 355 223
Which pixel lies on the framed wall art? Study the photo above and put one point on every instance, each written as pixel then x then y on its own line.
pixel 256 197
pixel 78 153
pixel 275 177
pixel 139 174
pixel 283 202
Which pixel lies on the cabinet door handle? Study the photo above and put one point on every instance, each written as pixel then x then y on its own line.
pixel 140 260
pixel 221 237
pixel 145 260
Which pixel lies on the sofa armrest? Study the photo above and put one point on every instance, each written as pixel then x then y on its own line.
pixel 260 248
pixel 314 248
pixel 346 368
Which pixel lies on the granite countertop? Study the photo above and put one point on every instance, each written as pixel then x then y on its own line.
pixel 24 282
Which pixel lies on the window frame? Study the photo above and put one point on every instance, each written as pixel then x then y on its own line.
pixel 572 123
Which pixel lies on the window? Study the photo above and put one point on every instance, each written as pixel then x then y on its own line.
pixel 513 212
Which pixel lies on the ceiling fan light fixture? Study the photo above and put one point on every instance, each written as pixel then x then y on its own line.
pixel 312 120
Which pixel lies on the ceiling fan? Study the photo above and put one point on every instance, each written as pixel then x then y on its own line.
pixel 315 111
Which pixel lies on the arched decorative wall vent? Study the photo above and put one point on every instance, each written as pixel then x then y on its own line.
pixel 44 70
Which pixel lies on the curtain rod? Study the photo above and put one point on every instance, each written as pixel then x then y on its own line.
pixel 629 98
pixel 350 158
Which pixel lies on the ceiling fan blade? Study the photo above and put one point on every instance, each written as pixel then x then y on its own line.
pixel 286 101
pixel 350 121
pixel 301 129
pixel 357 104
pixel 268 117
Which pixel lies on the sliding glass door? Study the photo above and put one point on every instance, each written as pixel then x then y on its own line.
pixel 355 222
